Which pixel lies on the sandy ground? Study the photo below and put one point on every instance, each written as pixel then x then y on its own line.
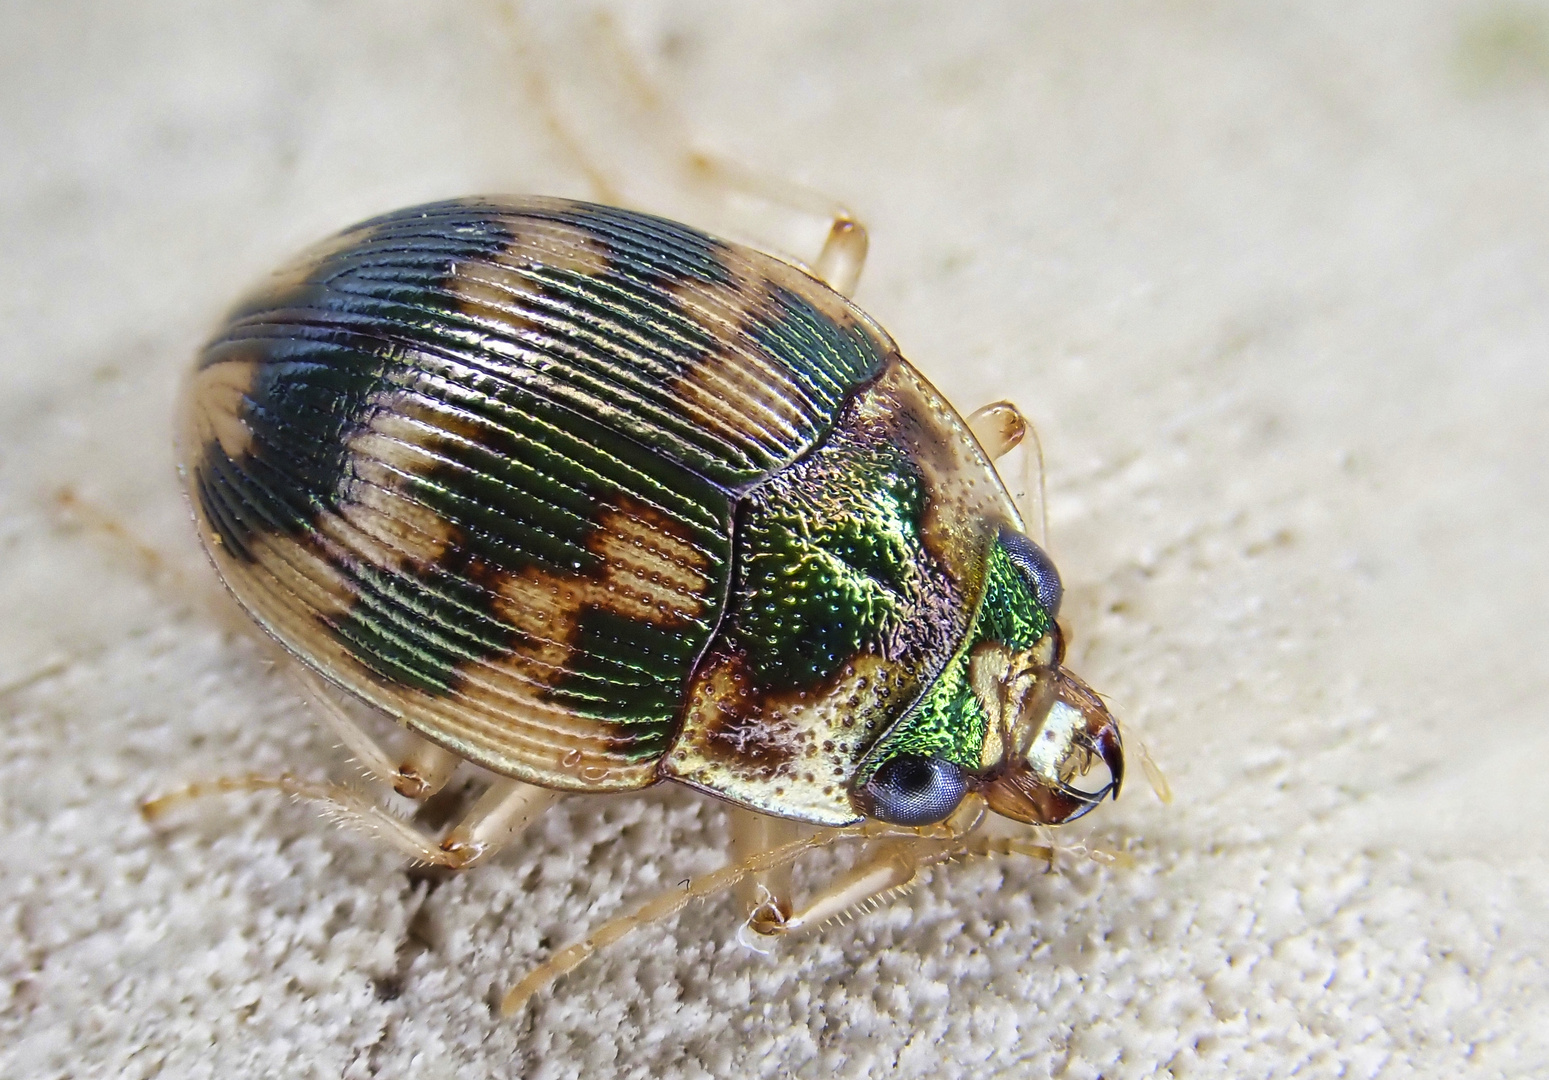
pixel 1270 279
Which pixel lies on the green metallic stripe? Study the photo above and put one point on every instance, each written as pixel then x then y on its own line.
pixel 416 629
pixel 488 529
pixel 834 360
pixel 460 401
pixel 533 502
pixel 949 722
pixel 453 615
pixel 429 315
pixel 555 367
pixel 648 249
pixel 607 336
pixel 430 622
pixel 412 633
pixel 629 304
pixel 619 359
pixel 323 433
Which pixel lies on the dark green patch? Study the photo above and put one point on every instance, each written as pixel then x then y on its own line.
pixel 649 250
pixel 829 565
pixel 948 721
pixel 552 408
pixel 831 360
pixel 631 673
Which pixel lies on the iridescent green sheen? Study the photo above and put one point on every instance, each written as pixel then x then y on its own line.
pixel 830 557
pixel 436 443
pixel 595 500
pixel 948 722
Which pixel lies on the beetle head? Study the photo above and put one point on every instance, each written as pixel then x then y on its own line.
pixel 1052 752
pixel 1055 752
pixel 1051 749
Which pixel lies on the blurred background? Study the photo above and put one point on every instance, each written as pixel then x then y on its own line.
pixel 1271 281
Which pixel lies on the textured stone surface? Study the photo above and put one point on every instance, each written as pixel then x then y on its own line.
pixel 1270 279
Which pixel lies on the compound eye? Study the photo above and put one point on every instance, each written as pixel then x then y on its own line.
pixel 912 790
pixel 1037 569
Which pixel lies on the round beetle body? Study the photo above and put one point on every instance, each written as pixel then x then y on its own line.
pixel 595 500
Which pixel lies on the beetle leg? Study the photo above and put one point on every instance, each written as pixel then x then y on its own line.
pixel 1001 428
pixel 937 842
pixel 339 801
pixel 421 770
pixel 643 129
pixel 499 815
pixel 843 257
pixel 886 869
pixel 661 907
pixel 766 893
pixel 893 867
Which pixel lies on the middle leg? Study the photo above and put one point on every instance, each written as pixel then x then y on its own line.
pixel 417 771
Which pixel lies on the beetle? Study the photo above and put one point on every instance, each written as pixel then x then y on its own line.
pixel 597 501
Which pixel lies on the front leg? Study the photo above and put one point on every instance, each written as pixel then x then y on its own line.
pixel 888 867
pixel 1002 429
pixel 892 864
pixel 887 870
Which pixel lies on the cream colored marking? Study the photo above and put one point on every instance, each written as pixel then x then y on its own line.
pixel 213 406
pixel 496 718
pixel 816 292
pixel 505 290
pixel 311 580
pixel 650 575
pixel 988 668
pixel 739 400
pixel 738 386
pixel 290 587
pixel 666 572
pixel 506 286
pixel 496 721
pixel 544 609
pixel 814 781
pixel 736 392
pixel 392 528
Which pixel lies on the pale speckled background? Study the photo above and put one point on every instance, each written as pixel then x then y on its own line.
pixel 1271 279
